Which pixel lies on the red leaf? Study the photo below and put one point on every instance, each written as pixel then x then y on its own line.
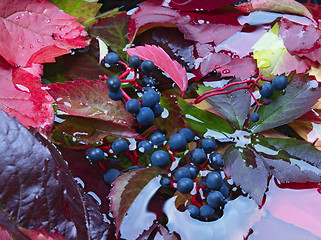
pixel 4 235
pixel 202 27
pixel 161 59
pixel 191 5
pixel 89 99
pixel 37 32
pixel 22 96
pixel 41 234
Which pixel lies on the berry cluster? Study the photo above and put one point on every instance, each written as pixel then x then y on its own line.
pixel 199 173
pixel 145 109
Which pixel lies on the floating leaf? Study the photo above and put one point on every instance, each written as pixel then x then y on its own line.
pixel 206 5
pixel 126 188
pixel 204 121
pixel 230 106
pixel 283 6
pixel 161 59
pixel 36 186
pixel 83 10
pixel 89 99
pixel 300 95
pixel 35 37
pixel 22 96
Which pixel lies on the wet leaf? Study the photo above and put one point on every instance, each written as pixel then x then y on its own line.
pixel 83 10
pixel 90 130
pixel 4 235
pixel 22 96
pixel 204 121
pixel 45 36
pixel 300 95
pixel 207 5
pixel 161 59
pixel 283 6
pixel 273 58
pixel 247 170
pixel 89 99
pixel 113 29
pixel 163 234
pixel 229 105
pixel 126 188
pixel 41 234
pixel 9 228
pixel 37 187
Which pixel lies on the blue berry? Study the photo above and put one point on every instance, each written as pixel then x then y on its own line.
pixel 119 145
pixel 193 170
pixel 157 109
pixel 224 190
pixel 215 199
pixel 113 84
pixel 111 175
pixel 134 62
pixel 157 139
pixel 214 180
pixel 197 156
pixel 216 160
pixel 193 211
pixel 145 116
pixel 165 182
pixel 116 95
pixel 189 135
pixel 95 155
pixel 133 106
pixel 144 146
pixel 147 66
pixel 267 90
pixel 280 82
pixel 160 158
pixel 254 117
pixel 185 185
pixel 111 58
pixel 206 211
pixel 182 172
pixel 133 168
pixel 148 81
pixel 177 142
pixel 208 145
pixel 150 98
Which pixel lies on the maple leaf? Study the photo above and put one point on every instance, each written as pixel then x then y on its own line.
pixel 283 6
pixel 161 59
pixel 23 97
pixel 37 32
pixel 89 99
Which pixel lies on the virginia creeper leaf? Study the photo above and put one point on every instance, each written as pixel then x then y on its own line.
pixel 89 99
pixel 113 29
pixel 161 59
pixel 4 235
pixel 41 234
pixel 9 226
pixel 204 121
pixel 126 189
pixel 247 170
pixel 83 10
pixel 37 32
pixel 37 188
pixel 207 5
pixel 90 130
pixel 229 105
pixel 300 95
pixel 283 6
pixel 22 96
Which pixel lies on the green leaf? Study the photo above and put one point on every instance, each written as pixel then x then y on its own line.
pixel 204 121
pixel 229 105
pixel 126 188
pixel 84 11
pixel 113 29
pixel 300 95
pixel 247 170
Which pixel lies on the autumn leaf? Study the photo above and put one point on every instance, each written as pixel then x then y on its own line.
pixel 161 59
pixel 41 234
pixel 37 32
pixel 205 5
pixel 89 99
pixel 22 96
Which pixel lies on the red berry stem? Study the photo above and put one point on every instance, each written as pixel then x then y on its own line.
pixel 124 64
pixel 195 202
pixel 102 166
pixel 125 95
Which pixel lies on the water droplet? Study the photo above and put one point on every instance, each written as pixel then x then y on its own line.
pixel 264 63
pixel 226 71
pixel 217 66
pixel 48 21
pixel 17 17
pixel 38 41
pixel 31 46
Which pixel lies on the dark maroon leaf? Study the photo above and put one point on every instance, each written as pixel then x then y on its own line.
pixel 10 226
pixel 37 188
pixel 41 234
pixel 234 106
pixel 247 170
pixel 192 5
